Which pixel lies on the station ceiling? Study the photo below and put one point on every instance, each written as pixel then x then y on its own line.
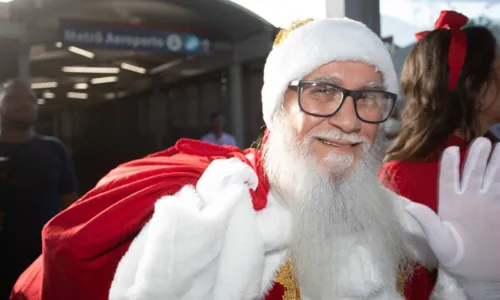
pixel 223 22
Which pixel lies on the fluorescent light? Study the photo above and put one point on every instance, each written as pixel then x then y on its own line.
pixel 81 52
pixel 6 1
pixel 59 44
pixel 133 68
pixel 81 86
pixel 91 70
pixel 75 95
pixel 40 101
pixel 166 66
pixel 48 95
pixel 43 85
pixel 110 96
pixel 100 80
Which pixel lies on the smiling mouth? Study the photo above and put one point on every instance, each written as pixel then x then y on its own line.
pixel 342 144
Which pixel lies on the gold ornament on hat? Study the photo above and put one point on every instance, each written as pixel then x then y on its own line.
pixel 285 32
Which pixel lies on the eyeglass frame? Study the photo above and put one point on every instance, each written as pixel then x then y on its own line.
pixel 354 94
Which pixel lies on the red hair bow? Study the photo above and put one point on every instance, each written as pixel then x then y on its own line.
pixel 458 44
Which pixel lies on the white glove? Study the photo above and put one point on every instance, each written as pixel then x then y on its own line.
pixel 181 253
pixel 466 236
pixel 240 264
pixel 221 177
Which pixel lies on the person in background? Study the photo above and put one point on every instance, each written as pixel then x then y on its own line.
pixel 218 136
pixel 37 180
pixel 451 84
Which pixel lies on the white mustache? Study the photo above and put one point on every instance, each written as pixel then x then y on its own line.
pixel 339 136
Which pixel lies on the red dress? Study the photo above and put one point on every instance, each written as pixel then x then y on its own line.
pixel 418 181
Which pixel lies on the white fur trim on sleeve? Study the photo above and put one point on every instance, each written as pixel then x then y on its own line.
pixel 418 248
pixel 315 44
pixel 174 259
pixel 275 225
pixel 447 288
pixel 174 255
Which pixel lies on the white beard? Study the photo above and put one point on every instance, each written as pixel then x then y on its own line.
pixel 328 205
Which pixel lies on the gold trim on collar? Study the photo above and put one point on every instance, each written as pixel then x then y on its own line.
pixel 286 277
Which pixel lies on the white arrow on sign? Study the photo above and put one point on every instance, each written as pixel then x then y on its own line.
pixel 206 45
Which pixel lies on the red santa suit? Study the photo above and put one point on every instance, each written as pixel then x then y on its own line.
pixel 87 241
pixel 199 221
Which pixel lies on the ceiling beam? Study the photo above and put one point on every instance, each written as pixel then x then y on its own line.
pixel 254 47
pixel 38 36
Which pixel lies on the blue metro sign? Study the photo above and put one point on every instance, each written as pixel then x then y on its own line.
pixel 98 36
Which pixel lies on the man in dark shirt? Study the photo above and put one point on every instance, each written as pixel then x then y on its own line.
pixel 37 180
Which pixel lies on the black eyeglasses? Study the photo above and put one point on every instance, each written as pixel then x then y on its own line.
pixel 323 99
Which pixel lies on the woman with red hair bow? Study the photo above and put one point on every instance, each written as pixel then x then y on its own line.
pixel 451 82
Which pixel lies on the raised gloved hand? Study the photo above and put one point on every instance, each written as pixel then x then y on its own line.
pixel 465 235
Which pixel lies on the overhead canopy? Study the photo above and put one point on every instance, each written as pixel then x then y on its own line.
pixel 223 23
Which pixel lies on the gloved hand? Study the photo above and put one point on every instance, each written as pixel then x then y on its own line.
pixel 465 237
pixel 196 240
pixel 231 176
pixel 225 186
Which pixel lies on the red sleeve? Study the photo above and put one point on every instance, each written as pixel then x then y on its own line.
pixel 393 178
pixel 414 181
pixel 405 181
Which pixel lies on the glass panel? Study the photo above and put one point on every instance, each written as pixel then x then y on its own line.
pixel 320 99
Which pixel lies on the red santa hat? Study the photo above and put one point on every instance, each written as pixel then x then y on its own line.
pixel 309 44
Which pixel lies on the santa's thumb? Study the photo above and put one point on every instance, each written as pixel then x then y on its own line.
pixel 442 236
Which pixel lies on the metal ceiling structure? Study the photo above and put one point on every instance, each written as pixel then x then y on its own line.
pixel 231 27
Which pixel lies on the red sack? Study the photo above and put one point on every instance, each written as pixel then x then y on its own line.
pixel 83 245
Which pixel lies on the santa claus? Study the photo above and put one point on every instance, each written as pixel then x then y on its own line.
pixel 303 218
